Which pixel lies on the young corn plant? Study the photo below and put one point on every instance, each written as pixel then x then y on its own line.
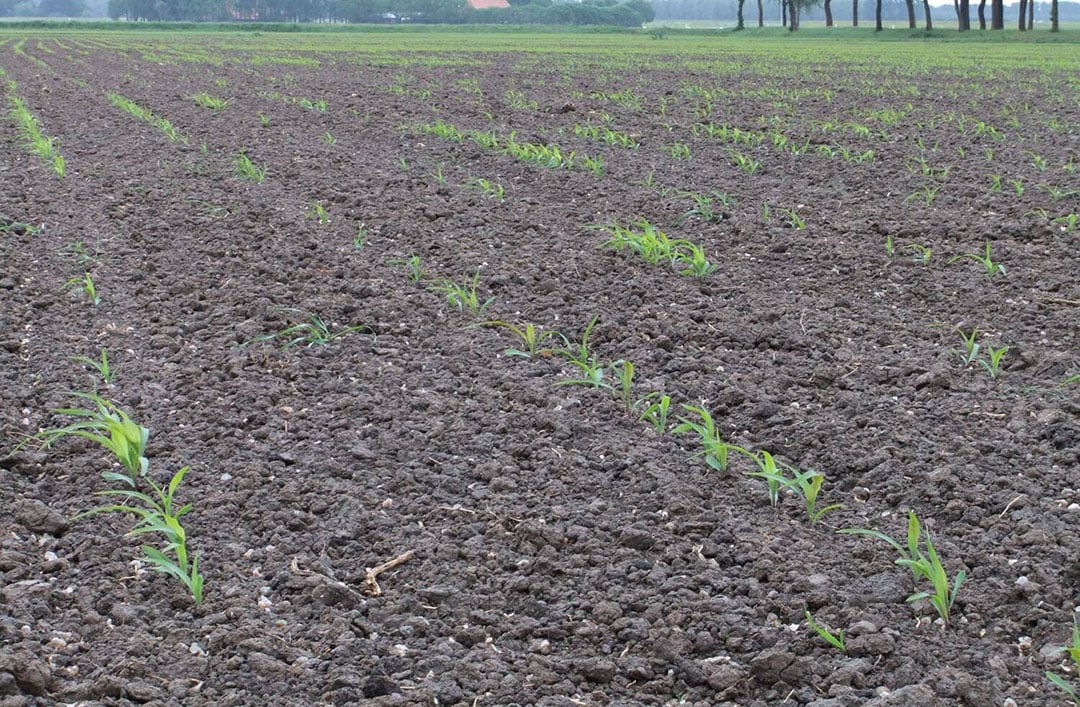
pixel 101 365
pixel 1074 653
pixel 991 268
pixel 692 257
pixel 833 638
pixel 414 268
pixel 768 470
pixel 360 239
pixel 744 162
pixel 490 189
pixel 532 339
pixel 208 101
pixel 794 220
pixel 927 194
pixel 158 513
pixel 246 169
pixel 319 213
pixel 313 332
pixel 714 449
pixel 581 356
pixel 919 253
pixel 706 206
pixel 923 565
pixel 992 362
pixel 654 408
pixel 623 373
pixel 970 353
pixel 463 296
pixel 86 284
pixel 107 425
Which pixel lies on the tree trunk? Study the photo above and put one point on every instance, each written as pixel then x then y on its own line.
pixel 1053 15
pixel 997 14
pixel 854 13
pixel 1023 15
pixel 740 16
pixel 910 13
pixel 877 16
pixel 793 12
pixel 1031 14
pixel 982 14
pixel 760 14
pixel 828 13
pixel 964 15
pixel 783 13
pixel 926 11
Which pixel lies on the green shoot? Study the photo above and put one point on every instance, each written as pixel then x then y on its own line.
pixel 159 514
pixel 623 371
pixel 970 352
pixel 836 639
pixel 794 220
pixel 890 248
pixel 531 338
pixel 360 239
pixel 920 253
pixel 994 364
pixel 110 427
pixel 767 470
pixel 654 410
pixel 492 190
pixel 246 169
pixel 318 212
pixel 207 101
pixel 579 354
pixel 86 284
pixel 313 332
pixel 705 207
pixel 414 269
pixel 923 565
pixel 463 296
pixel 100 365
pixel 714 448
pixel 1074 652
pixel 985 260
pixel 1064 686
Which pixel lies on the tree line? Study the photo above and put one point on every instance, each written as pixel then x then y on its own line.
pixel 628 13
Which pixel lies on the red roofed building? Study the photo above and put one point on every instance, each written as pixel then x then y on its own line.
pixel 488 4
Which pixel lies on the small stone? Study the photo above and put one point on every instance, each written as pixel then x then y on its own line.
pixel 598 670
pixel 143 691
pixel 36 517
pixel 907 696
pixel 636 539
pixel 871 644
pixel 861 628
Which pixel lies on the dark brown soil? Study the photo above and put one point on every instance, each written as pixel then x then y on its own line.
pixel 563 551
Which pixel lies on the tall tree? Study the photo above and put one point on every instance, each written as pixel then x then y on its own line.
pixel 740 25
pixel 854 13
pixel 997 14
pixel 1031 14
pixel 828 13
pixel 1053 15
pixel 910 13
pixel 982 14
pixel 760 14
pixel 877 16
pixel 926 11
pixel 963 14
pixel 1023 16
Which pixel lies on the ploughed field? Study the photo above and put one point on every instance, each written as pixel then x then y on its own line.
pixel 858 258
